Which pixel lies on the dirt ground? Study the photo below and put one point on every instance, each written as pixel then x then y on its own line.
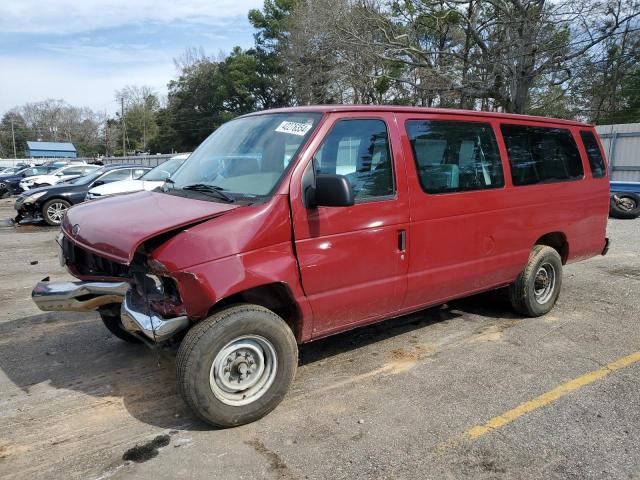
pixel 466 390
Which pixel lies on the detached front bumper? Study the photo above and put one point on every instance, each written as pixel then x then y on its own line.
pixel 28 211
pixel 86 296
pixel 77 296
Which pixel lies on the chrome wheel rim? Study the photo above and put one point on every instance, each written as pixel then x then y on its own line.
pixel 243 370
pixel 56 211
pixel 626 203
pixel 544 283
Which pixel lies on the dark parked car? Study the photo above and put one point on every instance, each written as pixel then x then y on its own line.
pixel 51 203
pixel 625 200
pixel 12 181
pixel 10 170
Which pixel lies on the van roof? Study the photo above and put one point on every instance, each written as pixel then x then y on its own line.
pixel 423 110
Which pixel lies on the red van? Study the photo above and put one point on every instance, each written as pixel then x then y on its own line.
pixel 289 225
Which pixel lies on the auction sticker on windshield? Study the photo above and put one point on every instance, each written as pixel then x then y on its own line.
pixel 294 128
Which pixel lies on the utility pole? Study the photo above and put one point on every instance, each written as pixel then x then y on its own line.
pixel 13 135
pixel 124 148
pixel 106 137
pixel 144 126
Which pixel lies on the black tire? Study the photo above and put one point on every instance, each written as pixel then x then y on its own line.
pixel 114 325
pixel 210 341
pixel 50 219
pixel 533 293
pixel 624 205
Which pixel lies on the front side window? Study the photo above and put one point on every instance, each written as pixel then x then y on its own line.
pixel 596 160
pixel 244 159
pixel 123 174
pixel 163 171
pixel 454 156
pixel 73 171
pixel 359 150
pixel 541 154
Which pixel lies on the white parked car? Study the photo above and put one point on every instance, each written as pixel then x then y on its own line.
pixel 68 172
pixel 152 179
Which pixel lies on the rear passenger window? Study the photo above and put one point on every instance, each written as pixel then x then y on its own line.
pixel 455 156
pixel 596 161
pixel 541 154
pixel 359 150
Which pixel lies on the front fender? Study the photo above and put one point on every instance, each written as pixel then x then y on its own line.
pixel 202 286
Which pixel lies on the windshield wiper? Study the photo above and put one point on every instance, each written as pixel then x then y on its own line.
pixel 209 189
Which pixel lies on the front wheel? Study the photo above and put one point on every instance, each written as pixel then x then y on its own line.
pixel 53 211
pixel 112 321
pixel 237 365
pixel 535 291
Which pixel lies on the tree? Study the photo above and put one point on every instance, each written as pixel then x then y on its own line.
pixel 607 82
pixel 273 25
pixel 13 125
pixel 491 51
pixel 208 93
pixel 57 121
pixel 141 104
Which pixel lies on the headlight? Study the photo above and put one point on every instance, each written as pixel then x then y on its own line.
pixel 32 198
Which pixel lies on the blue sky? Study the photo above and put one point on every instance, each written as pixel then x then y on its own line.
pixel 82 51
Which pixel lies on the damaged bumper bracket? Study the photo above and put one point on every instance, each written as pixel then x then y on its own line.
pixel 87 296
pixel 135 319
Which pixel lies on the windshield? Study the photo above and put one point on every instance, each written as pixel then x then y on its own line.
pixel 30 172
pixel 163 171
pixel 244 158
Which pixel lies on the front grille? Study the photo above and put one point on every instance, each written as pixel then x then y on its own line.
pixel 87 263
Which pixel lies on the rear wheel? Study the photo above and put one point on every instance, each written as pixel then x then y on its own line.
pixel 237 365
pixel 535 291
pixel 113 323
pixel 53 211
pixel 624 205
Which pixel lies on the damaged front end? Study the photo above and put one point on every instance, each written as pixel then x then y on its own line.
pixel 149 299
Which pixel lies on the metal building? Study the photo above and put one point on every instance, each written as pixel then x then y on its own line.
pixel 50 150
pixel 621 145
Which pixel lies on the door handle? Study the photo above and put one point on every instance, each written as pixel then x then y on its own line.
pixel 402 240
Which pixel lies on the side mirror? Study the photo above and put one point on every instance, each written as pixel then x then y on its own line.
pixel 59 174
pixel 330 191
pixel 97 183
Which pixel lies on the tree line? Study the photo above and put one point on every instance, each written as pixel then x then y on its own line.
pixel 563 58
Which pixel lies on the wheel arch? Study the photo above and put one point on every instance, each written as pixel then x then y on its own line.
pixel 275 296
pixel 558 241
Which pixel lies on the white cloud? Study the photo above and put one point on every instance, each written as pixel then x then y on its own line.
pixel 72 16
pixel 37 79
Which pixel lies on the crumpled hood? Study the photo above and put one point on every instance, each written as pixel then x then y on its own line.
pixel 116 226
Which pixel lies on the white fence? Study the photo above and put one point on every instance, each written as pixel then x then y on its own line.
pixel 621 145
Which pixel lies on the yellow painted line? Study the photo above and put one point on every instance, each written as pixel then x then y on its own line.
pixel 551 396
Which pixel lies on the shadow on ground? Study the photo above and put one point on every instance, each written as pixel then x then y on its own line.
pixel 74 351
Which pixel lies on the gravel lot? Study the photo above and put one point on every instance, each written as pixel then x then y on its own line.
pixel 392 400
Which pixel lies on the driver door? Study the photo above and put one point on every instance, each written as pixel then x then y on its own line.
pixel 353 260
